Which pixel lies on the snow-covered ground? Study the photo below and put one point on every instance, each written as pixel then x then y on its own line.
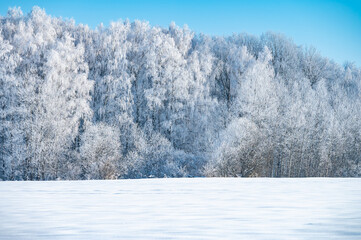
pixel 200 208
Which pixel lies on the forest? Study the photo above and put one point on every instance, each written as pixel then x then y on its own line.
pixel 132 100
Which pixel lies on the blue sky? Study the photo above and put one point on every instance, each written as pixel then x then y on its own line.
pixel 332 26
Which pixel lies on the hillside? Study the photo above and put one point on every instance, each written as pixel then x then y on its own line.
pixel 133 101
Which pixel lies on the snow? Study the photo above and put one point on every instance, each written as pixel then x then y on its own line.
pixel 198 208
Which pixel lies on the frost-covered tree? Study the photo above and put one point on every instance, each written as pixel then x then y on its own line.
pixel 12 113
pixel 132 100
pixel 100 153
pixel 235 154
pixel 64 104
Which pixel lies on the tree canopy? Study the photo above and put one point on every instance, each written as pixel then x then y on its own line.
pixel 133 100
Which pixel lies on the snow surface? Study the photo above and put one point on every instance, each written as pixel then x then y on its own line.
pixel 200 208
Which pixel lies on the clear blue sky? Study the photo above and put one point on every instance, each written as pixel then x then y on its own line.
pixel 332 26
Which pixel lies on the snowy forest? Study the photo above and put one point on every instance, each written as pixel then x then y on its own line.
pixel 133 100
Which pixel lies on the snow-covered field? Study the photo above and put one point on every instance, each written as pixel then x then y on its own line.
pixel 200 208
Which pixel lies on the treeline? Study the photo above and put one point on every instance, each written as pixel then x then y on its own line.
pixel 131 101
